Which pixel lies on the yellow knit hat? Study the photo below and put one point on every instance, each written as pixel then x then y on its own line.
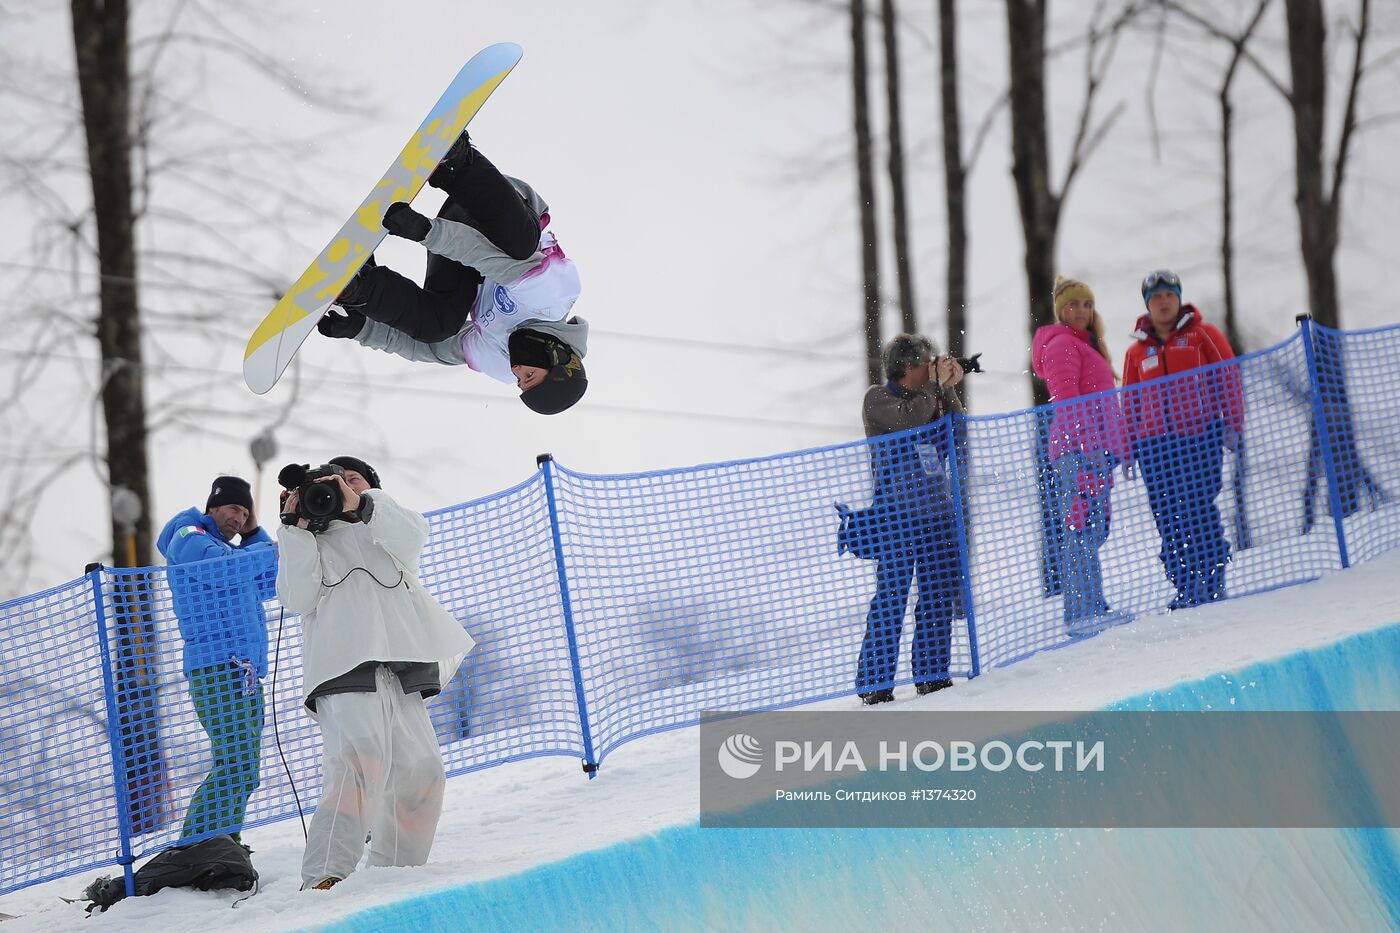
pixel 1067 289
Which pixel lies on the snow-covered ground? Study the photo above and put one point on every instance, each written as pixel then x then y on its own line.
pixel 511 818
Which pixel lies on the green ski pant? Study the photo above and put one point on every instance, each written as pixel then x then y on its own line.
pixel 233 720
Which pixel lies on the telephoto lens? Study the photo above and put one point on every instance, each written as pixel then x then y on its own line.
pixel 320 500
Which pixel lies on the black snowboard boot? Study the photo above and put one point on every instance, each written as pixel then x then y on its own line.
pixel 458 159
pixel 355 295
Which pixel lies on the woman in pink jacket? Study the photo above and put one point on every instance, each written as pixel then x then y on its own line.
pixel 1087 440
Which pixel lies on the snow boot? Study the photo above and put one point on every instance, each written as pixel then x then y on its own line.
pixel 355 295
pixel 458 159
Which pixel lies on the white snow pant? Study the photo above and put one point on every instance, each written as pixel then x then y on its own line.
pixel 381 772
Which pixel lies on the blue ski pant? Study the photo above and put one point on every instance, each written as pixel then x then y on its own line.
pixel 1183 478
pixel 930 555
pixel 1082 531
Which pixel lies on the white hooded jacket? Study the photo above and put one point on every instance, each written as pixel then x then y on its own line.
pixel 356 588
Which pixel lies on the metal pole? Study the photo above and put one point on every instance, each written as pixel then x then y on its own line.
pixel 1323 438
pixel 964 557
pixel 114 742
pixel 590 764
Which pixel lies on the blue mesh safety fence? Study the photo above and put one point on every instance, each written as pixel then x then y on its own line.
pixel 57 790
pixel 606 608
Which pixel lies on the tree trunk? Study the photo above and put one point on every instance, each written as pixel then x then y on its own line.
pixel 100 43
pixel 1307 59
pixel 954 183
pixel 104 82
pixel 1031 162
pixel 1318 213
pixel 1030 168
pixel 904 271
pixel 865 196
pixel 1227 219
pixel 1227 171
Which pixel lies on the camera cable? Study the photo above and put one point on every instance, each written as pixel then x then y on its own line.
pixel 277 666
pixel 388 586
pixel 276 738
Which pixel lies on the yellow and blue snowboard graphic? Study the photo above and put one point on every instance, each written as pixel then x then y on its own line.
pixel 281 333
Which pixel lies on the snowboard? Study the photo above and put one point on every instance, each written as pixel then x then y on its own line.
pixel 276 340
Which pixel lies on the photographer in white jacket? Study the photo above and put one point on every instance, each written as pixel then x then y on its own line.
pixel 375 647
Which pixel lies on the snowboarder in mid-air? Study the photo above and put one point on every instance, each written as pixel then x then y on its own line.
pixel 497 294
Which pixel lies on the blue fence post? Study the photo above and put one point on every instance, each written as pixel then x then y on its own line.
pixel 114 742
pixel 964 562
pixel 1324 440
pixel 546 463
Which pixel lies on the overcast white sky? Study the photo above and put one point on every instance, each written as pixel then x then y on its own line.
pixel 696 155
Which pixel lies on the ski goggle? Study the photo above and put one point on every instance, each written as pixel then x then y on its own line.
pixel 536 349
pixel 1162 278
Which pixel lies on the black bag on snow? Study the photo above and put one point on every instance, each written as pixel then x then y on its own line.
pixel 211 865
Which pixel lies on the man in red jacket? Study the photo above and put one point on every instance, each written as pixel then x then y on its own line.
pixel 1179 427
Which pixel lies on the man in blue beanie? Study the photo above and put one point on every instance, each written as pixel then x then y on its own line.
pixel 218 595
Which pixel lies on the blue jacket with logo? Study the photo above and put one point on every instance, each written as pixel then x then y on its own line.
pixel 218 591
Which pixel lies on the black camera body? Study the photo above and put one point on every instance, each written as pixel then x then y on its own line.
pixel 318 501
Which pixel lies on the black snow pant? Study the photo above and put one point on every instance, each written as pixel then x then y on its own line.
pixel 479 196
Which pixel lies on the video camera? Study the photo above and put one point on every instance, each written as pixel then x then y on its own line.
pixel 318 502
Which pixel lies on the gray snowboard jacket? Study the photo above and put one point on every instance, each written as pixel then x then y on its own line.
pixel 536 293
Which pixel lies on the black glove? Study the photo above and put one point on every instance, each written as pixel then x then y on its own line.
pixel 348 324
pixel 402 220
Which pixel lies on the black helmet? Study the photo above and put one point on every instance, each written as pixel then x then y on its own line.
pixel 564 383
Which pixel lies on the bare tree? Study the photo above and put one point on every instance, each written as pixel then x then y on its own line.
pixel 1318 187
pixel 1238 44
pixel 1319 198
pixel 954 180
pixel 104 80
pixel 1039 201
pixel 899 208
pixel 1319 221
pixel 179 198
pixel 1239 51
pixel 1030 151
pixel 1318 201
pixel 865 193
